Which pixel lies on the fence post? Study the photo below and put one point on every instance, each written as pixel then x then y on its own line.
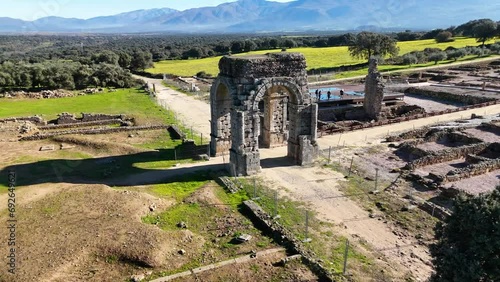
pixel 330 154
pixel 275 204
pixel 201 137
pixel 175 154
pixel 307 239
pixel 346 253
pixel 376 181
pixel 255 188
pixel 350 167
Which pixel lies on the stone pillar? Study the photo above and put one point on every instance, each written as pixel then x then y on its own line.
pixel 244 152
pixel 302 145
pixel 374 91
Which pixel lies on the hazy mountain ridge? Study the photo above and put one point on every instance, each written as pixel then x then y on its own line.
pixel 262 15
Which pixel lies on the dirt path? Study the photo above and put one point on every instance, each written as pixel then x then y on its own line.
pixel 367 137
pixel 189 111
pixel 319 188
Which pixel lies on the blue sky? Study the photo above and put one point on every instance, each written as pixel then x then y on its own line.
pixel 34 9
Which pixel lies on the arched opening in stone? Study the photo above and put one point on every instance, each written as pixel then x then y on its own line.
pixel 274 117
pixel 222 107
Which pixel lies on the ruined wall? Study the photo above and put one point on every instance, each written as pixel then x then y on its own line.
pixel 447 155
pixel 472 170
pixel 287 239
pixel 446 94
pixel 33 119
pixel 374 91
pixel 92 131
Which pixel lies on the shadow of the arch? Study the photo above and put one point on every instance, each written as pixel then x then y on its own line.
pixel 121 170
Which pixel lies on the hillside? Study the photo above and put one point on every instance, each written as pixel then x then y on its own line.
pixel 269 16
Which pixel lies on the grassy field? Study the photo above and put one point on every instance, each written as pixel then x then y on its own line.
pixel 316 57
pixel 132 102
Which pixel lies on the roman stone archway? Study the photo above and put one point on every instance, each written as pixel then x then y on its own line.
pixel 263 101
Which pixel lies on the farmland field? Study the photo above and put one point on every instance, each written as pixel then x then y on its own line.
pixel 316 57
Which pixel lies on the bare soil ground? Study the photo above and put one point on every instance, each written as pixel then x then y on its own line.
pixel 478 184
pixel 319 187
pixel 91 232
pixel 261 269
pixel 486 136
pixel 73 232
pixel 430 105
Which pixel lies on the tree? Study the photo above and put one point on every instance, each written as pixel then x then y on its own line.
pixel 290 43
pixel 444 36
pixel 141 61
pixel 274 43
pixel 249 46
pixel 237 46
pixel 484 30
pixel 438 56
pixel 368 44
pixel 495 48
pixel 108 57
pixel 456 54
pixel 468 243
pixel 194 52
pixel 410 59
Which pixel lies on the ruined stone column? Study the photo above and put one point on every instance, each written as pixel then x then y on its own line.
pixel 374 91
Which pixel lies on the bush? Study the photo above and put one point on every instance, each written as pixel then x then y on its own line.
pixel 456 54
pixel 410 59
pixel 444 36
pixel 437 56
pixel 495 48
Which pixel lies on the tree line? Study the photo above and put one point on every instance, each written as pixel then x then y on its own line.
pixel 59 74
pixel 89 54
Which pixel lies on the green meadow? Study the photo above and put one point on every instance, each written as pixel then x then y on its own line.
pixel 316 57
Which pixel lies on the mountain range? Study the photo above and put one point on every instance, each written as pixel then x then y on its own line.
pixel 268 16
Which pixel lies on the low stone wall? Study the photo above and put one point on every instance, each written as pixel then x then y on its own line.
pixel 473 170
pixel 80 124
pixel 412 150
pixel 287 239
pixel 175 132
pixel 413 134
pixel 88 117
pixel 447 155
pixel 443 95
pixel 475 159
pixel 435 210
pixel 34 119
pixel 67 118
pixel 491 126
pixel 93 131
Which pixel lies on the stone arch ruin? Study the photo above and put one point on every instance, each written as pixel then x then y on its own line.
pixel 263 101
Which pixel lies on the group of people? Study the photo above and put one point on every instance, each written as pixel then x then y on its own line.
pixel 328 94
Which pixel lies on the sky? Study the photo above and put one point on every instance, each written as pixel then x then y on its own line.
pixel 84 9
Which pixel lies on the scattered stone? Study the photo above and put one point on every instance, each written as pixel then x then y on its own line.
pixel 244 238
pixel 182 252
pixel 47 148
pixel 203 157
pixel 131 136
pixel 182 224
pixel 137 277
pixel 66 147
pixel 152 207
